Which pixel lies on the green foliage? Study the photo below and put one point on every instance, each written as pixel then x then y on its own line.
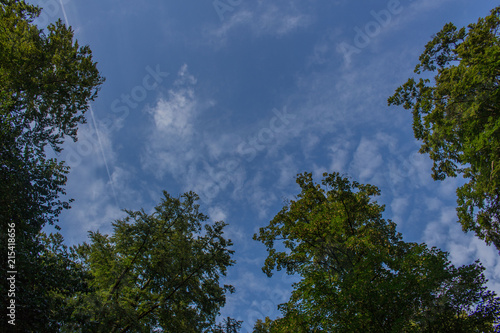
pixel 458 118
pixel 262 326
pixel 60 277
pixel 46 82
pixel 158 270
pixel 358 274
pixel 47 78
pixel 229 325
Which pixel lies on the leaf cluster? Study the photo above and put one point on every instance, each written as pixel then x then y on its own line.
pixel 155 270
pixel 46 82
pixel 358 274
pixel 457 117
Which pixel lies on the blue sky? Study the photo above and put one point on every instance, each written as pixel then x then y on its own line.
pixel 233 98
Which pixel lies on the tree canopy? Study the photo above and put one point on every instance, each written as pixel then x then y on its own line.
pixel 156 271
pixel 458 117
pixel 357 274
pixel 163 271
pixel 46 83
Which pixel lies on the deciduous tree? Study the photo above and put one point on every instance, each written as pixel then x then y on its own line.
pixel 228 325
pixel 357 274
pixel 262 326
pixel 156 271
pixel 457 117
pixel 46 82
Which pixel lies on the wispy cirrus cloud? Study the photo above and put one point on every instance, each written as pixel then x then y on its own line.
pixel 262 19
pixel 445 233
pixel 97 182
pixel 169 147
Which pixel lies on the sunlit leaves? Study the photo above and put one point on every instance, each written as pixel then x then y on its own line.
pixel 46 82
pixel 357 273
pixel 458 117
pixel 156 270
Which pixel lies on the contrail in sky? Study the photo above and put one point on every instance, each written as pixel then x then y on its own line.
pixel 103 155
pixel 95 126
pixel 64 13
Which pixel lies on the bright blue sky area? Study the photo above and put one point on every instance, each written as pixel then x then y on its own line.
pixel 252 97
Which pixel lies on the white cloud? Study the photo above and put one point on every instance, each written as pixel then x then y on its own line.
pixel 264 19
pixel 446 234
pixel 436 232
pixel 324 50
pixel 288 169
pixel 399 207
pixel 274 20
pixel 432 203
pixel 242 17
pixel 174 113
pixel 169 148
pixel 259 196
pixel 340 153
pixel 368 36
pixel 184 78
pixel 249 284
pixel 98 184
pixel 318 171
pixel 426 5
pixel 367 160
pixel 309 142
pixel 217 214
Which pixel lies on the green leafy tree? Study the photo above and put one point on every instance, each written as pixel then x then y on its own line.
pixel 262 326
pixel 61 278
pixel 46 82
pixel 458 117
pixel 156 271
pixel 357 274
pixel 228 325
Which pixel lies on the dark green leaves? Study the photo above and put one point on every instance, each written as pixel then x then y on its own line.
pixel 46 82
pixel 47 78
pixel 458 117
pixel 357 273
pixel 156 270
